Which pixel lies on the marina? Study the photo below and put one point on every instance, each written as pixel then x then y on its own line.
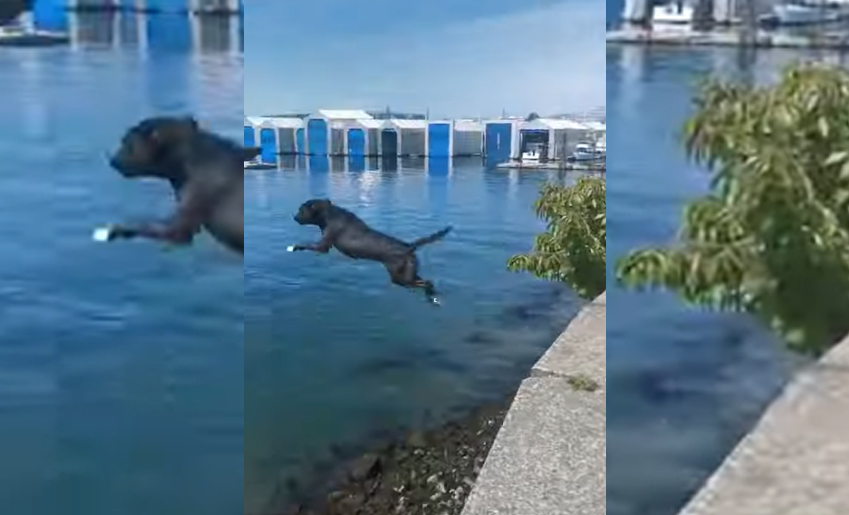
pixel 793 24
pixel 357 135
pixel 145 25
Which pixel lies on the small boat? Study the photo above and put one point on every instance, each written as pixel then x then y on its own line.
pixel 672 13
pixel 587 152
pixel 532 154
pixel 805 12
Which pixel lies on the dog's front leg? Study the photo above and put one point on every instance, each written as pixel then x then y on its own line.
pixel 322 247
pixel 180 229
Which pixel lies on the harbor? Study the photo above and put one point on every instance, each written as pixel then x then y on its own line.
pixel 139 23
pixel 793 24
pixel 554 142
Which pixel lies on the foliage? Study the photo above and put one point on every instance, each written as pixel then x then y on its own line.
pixel 773 236
pixel 574 247
pixel 531 117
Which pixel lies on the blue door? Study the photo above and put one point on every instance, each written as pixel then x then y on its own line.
pixel 356 150
pixel 498 142
pixel 250 137
pixel 388 143
pixel 170 6
pixel 356 142
pixel 317 136
pixel 439 140
pixel 50 15
pixel 268 143
pixel 299 141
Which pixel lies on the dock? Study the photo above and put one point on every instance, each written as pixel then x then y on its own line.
pixel 32 38
pixel 553 165
pixel 726 38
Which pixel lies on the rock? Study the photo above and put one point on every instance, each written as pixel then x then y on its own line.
pixel 416 439
pixel 335 497
pixel 366 467
pixel 352 503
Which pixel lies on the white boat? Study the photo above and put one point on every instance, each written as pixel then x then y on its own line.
pixel 532 154
pixel 673 13
pixel 587 152
pixel 800 12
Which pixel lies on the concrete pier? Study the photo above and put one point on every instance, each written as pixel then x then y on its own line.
pixel 796 460
pixel 550 456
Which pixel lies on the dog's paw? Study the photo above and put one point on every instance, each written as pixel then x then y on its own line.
pixel 102 234
pixel 290 248
pixel 435 301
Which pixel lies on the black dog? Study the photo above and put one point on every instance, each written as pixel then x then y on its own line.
pixel 351 236
pixel 205 170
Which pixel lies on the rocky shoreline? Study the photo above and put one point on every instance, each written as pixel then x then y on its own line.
pixel 427 472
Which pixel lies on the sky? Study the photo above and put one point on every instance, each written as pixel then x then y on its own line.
pixel 453 58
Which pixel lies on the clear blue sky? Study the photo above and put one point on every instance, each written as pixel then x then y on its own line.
pixel 455 57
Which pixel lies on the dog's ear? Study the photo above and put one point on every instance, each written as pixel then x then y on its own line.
pixel 180 128
pixel 323 203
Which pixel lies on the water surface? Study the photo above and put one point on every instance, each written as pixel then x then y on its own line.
pixel 121 367
pixel 684 385
pixel 335 353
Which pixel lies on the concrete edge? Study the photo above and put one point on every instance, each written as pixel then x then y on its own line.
pixel 577 360
pixel 795 460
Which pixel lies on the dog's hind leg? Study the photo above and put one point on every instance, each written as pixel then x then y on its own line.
pixel 406 274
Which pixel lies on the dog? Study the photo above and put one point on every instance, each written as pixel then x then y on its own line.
pixel 352 237
pixel 205 171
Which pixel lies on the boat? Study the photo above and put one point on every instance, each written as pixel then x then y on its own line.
pixel 587 152
pixel 672 13
pixel 532 154
pixel 805 12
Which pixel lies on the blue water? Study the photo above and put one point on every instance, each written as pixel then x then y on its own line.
pixel 335 353
pixel 121 366
pixel 684 385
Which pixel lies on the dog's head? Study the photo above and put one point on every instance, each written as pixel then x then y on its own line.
pixel 149 148
pixel 313 212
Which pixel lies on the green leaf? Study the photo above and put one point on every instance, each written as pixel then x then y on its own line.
pixel 837 157
pixel 772 237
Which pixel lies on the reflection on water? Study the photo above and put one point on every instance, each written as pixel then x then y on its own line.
pixel 164 32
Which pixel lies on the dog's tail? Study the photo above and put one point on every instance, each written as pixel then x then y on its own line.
pixel 430 239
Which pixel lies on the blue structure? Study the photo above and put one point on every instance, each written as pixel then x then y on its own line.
pixel 318 134
pixel 268 145
pixel 50 15
pixel 389 143
pixel 170 6
pixel 356 142
pixel 250 136
pixel 439 140
pixel 499 142
pixel 356 150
